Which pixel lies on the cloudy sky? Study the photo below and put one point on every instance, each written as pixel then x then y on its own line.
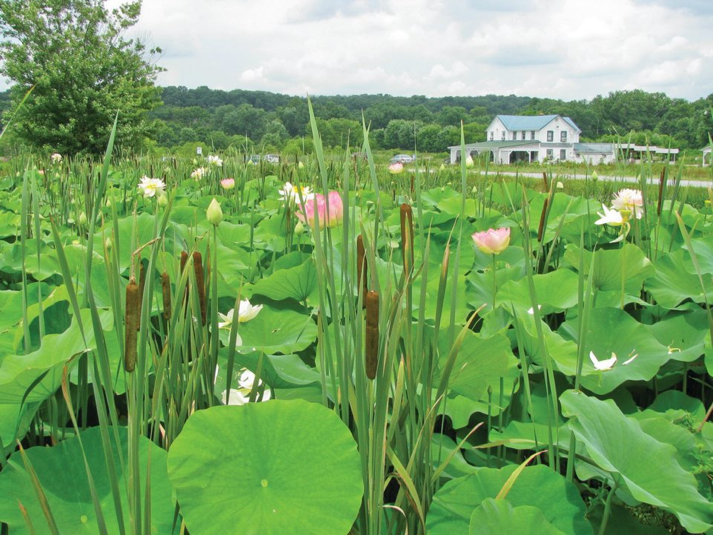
pixel 569 49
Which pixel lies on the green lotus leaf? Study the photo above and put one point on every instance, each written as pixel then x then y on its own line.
pixel 266 468
pixel 19 372
pixel 293 283
pixel 277 331
pixel 499 516
pixel 481 362
pixel 539 487
pixel 647 467
pixel 673 283
pixel 555 291
pixel 611 330
pixel 61 472
pixel 683 333
pixel 615 269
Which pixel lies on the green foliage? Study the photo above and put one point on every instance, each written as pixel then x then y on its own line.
pixel 83 71
pixel 277 467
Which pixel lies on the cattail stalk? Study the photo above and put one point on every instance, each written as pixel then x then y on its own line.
pixel 371 346
pixel 142 284
pixel 166 292
pixel 541 227
pixel 660 203
pixel 362 269
pixel 200 284
pixel 407 236
pixel 133 323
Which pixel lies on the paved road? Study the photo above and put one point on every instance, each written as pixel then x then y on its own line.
pixel 574 176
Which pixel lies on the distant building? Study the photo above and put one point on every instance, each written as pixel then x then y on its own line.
pixel 541 138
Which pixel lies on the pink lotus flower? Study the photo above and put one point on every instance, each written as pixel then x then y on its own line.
pixel 492 241
pixel 396 168
pixel 329 210
pixel 227 183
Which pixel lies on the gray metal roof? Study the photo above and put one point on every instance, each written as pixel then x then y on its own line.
pixel 532 122
pixel 594 148
pixel 496 144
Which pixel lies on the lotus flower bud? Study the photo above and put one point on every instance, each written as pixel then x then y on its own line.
pixel 214 213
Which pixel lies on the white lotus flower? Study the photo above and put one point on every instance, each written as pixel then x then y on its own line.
pixel 56 157
pixel 236 397
pixel 241 395
pixel 608 364
pixel 215 161
pixel 603 365
pixel 629 199
pixel 246 312
pixel 610 217
pixel 292 193
pixel 151 186
pixel 198 173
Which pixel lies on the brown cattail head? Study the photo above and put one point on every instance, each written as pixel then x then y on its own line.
pixel 543 216
pixel 407 234
pixel 166 293
pixel 362 269
pixel 544 177
pixel 200 284
pixel 371 345
pixel 184 260
pixel 133 322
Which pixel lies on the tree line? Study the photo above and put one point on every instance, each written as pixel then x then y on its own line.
pixel 274 122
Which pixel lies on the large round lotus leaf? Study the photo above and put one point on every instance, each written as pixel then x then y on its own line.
pixel 499 516
pixel 646 467
pixel 62 474
pixel 266 468
pixel 277 331
pixel 537 486
pixel 673 283
pixel 611 330
pixel 614 269
pixel 294 283
pixel 555 291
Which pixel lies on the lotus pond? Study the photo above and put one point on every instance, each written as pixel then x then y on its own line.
pixel 328 348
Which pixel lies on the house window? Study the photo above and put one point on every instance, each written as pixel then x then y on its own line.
pixel 563 136
pixel 563 154
pixel 514 136
pixel 491 136
pixel 550 136
pixel 532 135
pixel 550 154
pixel 523 135
pixel 503 138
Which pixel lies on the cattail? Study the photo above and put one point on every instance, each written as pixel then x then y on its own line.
pixel 371 346
pixel 412 179
pixel 142 283
pixel 362 269
pixel 407 235
pixel 166 292
pixel 184 261
pixel 544 177
pixel 133 322
pixel 541 228
pixel 200 284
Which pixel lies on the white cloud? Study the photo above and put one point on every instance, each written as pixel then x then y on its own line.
pixel 570 49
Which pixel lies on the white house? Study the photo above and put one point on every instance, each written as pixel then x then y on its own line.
pixel 540 138
pixel 514 138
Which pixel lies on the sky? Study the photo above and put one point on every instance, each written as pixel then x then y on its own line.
pixel 567 49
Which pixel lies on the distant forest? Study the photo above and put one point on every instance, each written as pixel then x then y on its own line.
pixel 262 121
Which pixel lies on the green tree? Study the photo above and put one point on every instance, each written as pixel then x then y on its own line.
pixel 83 71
